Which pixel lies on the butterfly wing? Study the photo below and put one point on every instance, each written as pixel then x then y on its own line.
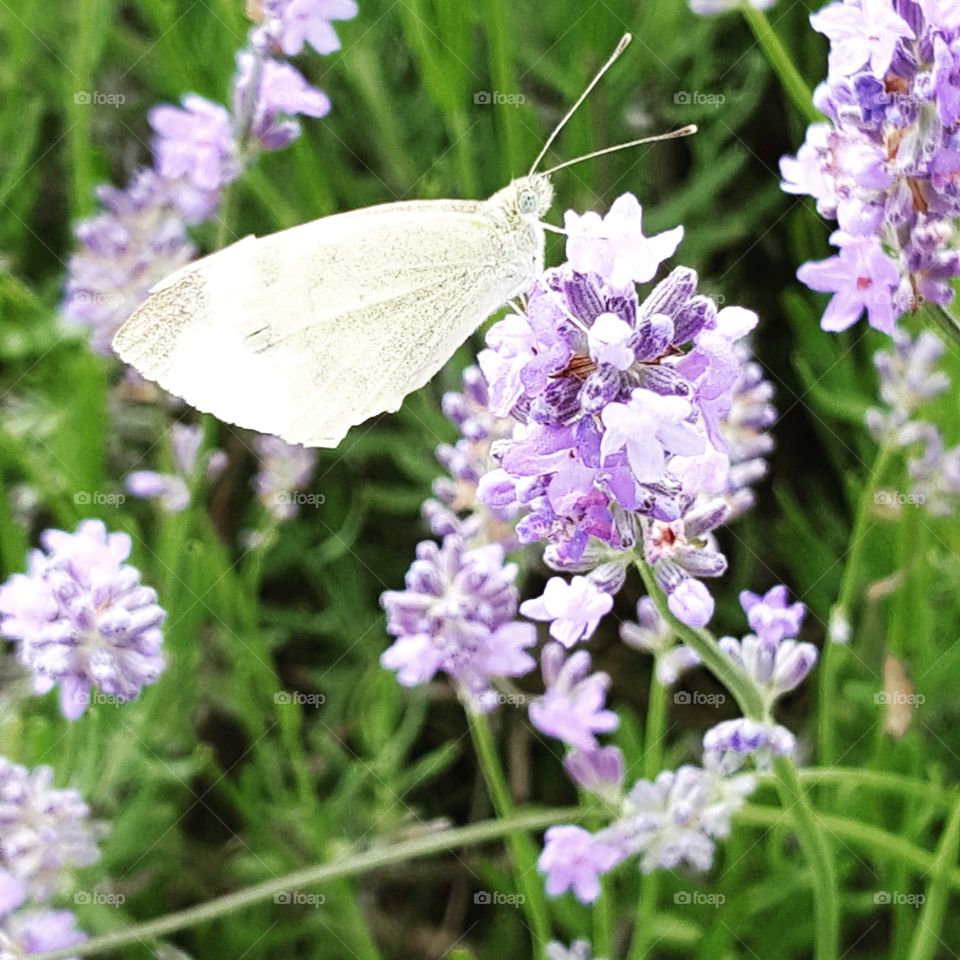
pixel 309 331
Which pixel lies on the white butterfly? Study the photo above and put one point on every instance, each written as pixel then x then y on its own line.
pixel 307 332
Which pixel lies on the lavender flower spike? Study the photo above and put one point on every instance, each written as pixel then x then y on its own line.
pixel 43 831
pixel 81 618
pixel 457 616
pixel 284 471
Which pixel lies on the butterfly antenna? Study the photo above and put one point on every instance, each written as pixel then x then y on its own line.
pixel 672 135
pixel 621 46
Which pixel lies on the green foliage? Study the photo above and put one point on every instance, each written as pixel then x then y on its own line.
pixel 212 780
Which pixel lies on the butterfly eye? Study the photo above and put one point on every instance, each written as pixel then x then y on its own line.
pixel 528 201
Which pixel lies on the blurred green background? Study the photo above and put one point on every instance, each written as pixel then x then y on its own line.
pixel 208 783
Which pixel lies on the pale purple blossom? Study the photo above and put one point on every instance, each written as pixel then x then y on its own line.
pixel 573 609
pixel 614 245
pixel 885 164
pixel 80 618
pixel 574 859
pixel 649 426
pixel 861 33
pixel 598 770
pixel 43 831
pixel 293 23
pixel 194 144
pixel 572 708
pixel 282 94
pixel 772 616
pixel 774 661
pixel 861 278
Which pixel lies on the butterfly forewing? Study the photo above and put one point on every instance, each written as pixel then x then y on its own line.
pixel 307 332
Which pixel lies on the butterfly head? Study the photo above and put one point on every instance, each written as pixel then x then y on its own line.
pixel 534 195
pixel 526 198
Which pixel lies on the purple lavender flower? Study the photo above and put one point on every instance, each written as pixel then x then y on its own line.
pixel 885 164
pixel 599 771
pixel 43 831
pixel 173 489
pixel 572 707
pixel 38 931
pixel 138 240
pixel 775 664
pixel 614 246
pixel 284 471
pixel 81 618
pixel 194 146
pixel 648 427
pixel 729 743
pixel 282 94
pixel 861 278
pixel 771 616
pixel 13 892
pixel 574 609
pixel 860 34
pixel 682 551
pixel 292 23
pixel 457 616
pixel 674 819
pixel 573 859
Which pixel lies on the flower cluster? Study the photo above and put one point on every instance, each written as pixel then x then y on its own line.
pixel 671 820
pixel 622 410
pixel 43 832
pixel 884 164
pixel 457 615
pixel 198 148
pixel 81 618
pixel 909 379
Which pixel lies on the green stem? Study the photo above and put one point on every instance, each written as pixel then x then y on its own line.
pixel 843 609
pixel 871 840
pixel 523 852
pixel 816 849
pixel 656 728
pixel 778 58
pixel 927 937
pixel 881 782
pixel 355 864
pixel 721 666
